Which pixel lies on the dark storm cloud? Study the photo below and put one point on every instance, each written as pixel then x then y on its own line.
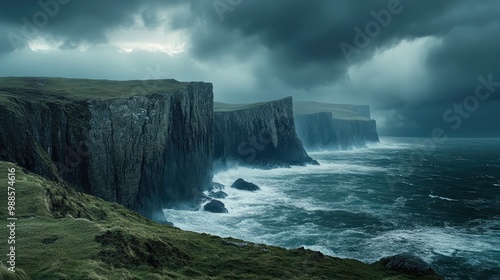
pixel 304 40
pixel 294 47
pixel 75 20
pixel 467 56
pixel 306 35
pixel 5 45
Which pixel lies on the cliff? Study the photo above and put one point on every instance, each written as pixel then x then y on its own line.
pixel 65 234
pixel 322 125
pixel 260 134
pixel 143 144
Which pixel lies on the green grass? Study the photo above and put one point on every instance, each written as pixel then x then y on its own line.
pixel 339 111
pixel 60 89
pixel 64 234
pixel 9 275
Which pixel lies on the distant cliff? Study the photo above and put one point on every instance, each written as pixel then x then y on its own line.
pixel 260 134
pixel 322 125
pixel 143 144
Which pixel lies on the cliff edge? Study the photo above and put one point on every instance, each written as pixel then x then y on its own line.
pixel 259 134
pixel 143 144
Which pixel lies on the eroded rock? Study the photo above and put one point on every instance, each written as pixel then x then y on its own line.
pixel 407 263
pixel 215 206
pixel 243 185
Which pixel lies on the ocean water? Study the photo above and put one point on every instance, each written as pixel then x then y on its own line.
pixel 440 202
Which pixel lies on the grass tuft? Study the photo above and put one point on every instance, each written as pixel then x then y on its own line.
pixel 6 274
pixel 123 249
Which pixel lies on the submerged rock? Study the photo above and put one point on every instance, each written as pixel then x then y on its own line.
pixel 218 194
pixel 407 263
pixel 243 185
pixel 215 206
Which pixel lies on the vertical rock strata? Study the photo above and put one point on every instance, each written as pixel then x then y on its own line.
pixel 259 135
pixel 158 149
pixel 145 151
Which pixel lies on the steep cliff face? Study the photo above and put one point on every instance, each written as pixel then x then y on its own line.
pixel 321 125
pixel 145 151
pixel 261 135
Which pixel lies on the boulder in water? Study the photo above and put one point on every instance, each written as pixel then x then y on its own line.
pixel 215 206
pixel 243 185
pixel 219 194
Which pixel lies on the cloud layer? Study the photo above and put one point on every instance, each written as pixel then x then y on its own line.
pixel 410 60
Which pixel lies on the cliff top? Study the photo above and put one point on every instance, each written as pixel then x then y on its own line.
pixel 40 88
pixel 70 235
pixel 225 107
pixel 339 111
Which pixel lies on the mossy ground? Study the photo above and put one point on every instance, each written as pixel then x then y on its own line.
pixel 61 89
pixel 64 234
pixel 339 111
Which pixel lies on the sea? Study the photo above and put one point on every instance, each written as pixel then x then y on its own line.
pixel 440 202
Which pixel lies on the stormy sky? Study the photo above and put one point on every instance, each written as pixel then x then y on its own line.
pixel 420 65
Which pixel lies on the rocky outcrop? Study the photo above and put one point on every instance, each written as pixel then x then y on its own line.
pixel 407 263
pixel 215 206
pixel 243 185
pixel 321 125
pixel 259 135
pixel 145 151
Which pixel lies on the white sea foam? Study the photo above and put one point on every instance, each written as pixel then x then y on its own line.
pixel 227 177
pixel 312 207
pixel 277 184
pixel 400 201
pixel 430 242
pixel 247 210
pixel 442 198
pixel 384 144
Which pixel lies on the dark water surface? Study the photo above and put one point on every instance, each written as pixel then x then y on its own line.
pixel 441 203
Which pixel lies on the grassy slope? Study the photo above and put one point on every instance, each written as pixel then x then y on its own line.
pixel 57 89
pixel 339 111
pixel 63 234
